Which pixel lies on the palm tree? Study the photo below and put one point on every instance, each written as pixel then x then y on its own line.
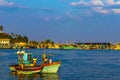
pixel 25 38
pixel 1 28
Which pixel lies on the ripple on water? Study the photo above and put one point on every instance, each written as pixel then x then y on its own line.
pixel 76 65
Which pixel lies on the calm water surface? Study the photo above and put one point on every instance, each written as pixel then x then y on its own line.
pixel 76 65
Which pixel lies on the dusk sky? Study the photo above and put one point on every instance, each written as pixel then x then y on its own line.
pixel 62 20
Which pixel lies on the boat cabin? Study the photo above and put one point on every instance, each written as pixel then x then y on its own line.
pixel 26 58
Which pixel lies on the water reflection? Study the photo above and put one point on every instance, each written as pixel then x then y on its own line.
pixel 53 76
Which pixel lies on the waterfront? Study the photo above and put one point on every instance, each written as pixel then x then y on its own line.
pixel 76 65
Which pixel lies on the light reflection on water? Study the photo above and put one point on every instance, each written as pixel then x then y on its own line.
pixel 50 76
pixel 76 65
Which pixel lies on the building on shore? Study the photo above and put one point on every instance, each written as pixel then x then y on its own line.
pixel 116 46
pixel 19 45
pixel 4 40
pixel 93 46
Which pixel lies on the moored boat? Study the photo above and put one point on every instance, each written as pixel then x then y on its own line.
pixel 27 64
pixel 51 68
pixel 29 70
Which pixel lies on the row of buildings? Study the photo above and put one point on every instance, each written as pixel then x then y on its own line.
pixel 83 46
pixel 5 42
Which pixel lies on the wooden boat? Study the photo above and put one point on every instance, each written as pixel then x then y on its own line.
pixel 25 70
pixel 51 68
pixel 31 70
pixel 27 65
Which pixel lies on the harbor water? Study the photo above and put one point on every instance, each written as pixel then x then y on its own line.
pixel 76 65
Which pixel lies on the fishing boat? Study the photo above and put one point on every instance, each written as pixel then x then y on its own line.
pixel 27 64
pixel 29 70
pixel 49 67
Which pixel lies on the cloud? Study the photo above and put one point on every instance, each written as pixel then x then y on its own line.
pixel 101 10
pixel 117 11
pixel 99 6
pixel 110 2
pixel 81 2
pixel 90 2
pixel 4 3
pixel 97 2
pixel 118 2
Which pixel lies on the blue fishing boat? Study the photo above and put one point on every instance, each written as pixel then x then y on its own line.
pixel 27 64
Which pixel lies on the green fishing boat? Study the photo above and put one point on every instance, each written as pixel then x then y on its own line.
pixel 49 66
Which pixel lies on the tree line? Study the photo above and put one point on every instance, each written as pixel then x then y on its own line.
pixel 14 38
pixel 17 38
